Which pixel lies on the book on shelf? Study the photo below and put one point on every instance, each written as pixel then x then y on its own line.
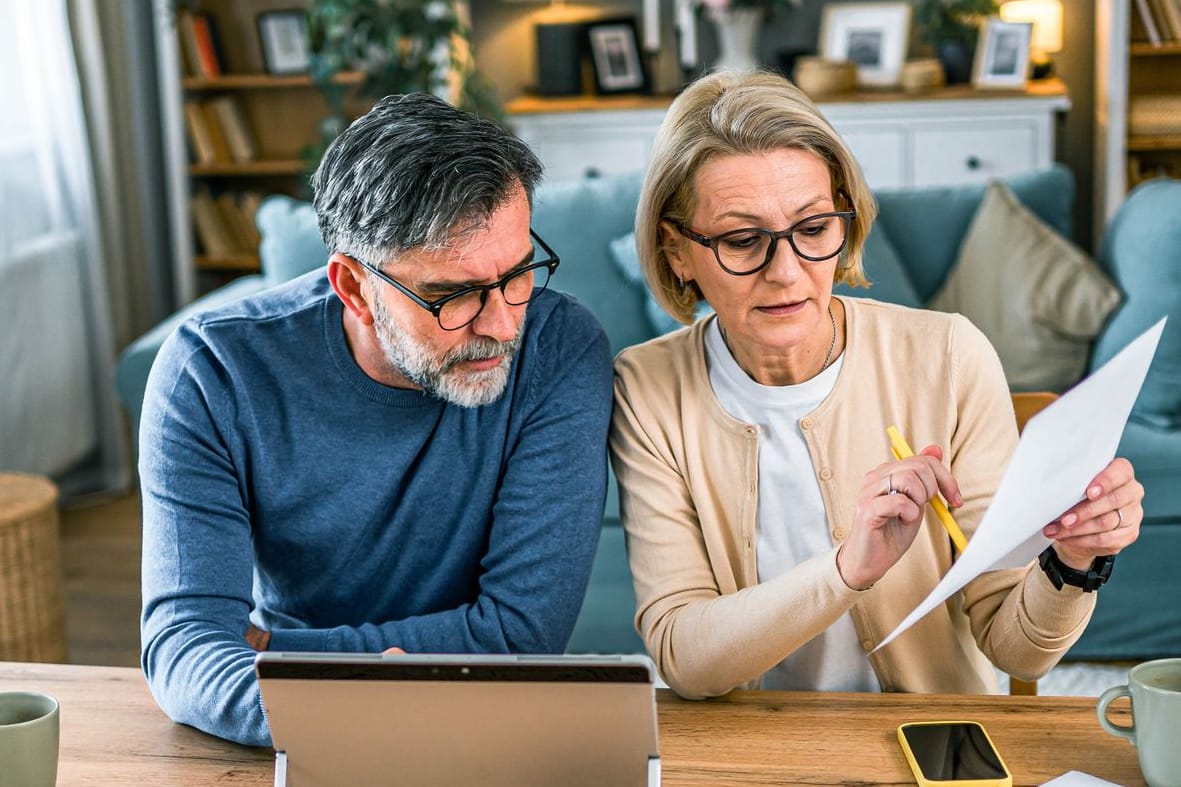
pixel 1168 19
pixel 207 50
pixel 221 146
pixel 238 216
pixel 198 44
pixel 1148 23
pixel 1173 9
pixel 248 205
pixel 213 235
pixel 198 133
pixel 239 136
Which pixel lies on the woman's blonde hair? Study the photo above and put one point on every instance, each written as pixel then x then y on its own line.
pixel 738 113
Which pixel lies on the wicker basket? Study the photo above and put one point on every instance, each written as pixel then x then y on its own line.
pixel 32 614
pixel 817 76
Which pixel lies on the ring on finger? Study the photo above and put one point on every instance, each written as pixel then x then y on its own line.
pixel 890 485
pixel 1120 515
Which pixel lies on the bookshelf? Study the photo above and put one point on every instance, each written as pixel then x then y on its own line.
pixel 1138 118
pixel 235 133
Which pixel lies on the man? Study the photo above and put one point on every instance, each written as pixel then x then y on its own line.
pixel 405 450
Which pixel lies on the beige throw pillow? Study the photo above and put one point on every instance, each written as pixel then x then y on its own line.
pixel 1038 298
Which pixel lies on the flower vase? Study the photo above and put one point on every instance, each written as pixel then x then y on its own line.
pixel 738 37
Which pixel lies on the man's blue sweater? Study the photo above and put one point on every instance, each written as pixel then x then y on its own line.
pixel 283 485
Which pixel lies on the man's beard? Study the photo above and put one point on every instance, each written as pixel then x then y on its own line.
pixel 439 376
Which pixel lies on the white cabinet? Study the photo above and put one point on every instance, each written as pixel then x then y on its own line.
pixel 590 143
pixel 956 136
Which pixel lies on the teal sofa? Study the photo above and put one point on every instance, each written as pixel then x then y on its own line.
pixel 909 254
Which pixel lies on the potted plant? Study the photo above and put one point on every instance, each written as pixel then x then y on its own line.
pixel 400 46
pixel 950 27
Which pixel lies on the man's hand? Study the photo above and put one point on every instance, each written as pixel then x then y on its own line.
pixel 393 652
pixel 257 638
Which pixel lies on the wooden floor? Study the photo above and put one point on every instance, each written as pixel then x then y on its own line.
pixel 100 564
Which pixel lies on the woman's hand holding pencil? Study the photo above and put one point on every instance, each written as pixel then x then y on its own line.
pixel 889 512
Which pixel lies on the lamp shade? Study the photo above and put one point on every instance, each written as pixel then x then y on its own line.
pixel 1046 16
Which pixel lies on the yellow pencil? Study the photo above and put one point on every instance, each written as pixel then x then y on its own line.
pixel 901 450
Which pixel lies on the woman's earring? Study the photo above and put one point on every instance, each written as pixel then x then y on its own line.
pixel 680 281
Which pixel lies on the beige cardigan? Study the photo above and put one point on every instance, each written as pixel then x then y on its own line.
pixel 688 482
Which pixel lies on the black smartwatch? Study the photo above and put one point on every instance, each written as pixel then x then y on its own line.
pixel 1061 574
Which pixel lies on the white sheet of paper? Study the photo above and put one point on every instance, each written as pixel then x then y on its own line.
pixel 1078 779
pixel 1061 449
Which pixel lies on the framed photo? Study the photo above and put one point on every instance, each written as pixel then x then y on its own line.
pixel 284 39
pixel 615 55
pixel 1002 56
pixel 873 36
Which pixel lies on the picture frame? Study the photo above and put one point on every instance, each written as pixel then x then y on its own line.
pixel 874 36
pixel 1002 54
pixel 614 48
pixel 283 38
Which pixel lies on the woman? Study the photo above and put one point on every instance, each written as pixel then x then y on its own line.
pixel 773 541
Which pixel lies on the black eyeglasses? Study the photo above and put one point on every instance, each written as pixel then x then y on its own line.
pixel 749 250
pixel 460 308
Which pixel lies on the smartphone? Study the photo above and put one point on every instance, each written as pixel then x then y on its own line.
pixel 946 753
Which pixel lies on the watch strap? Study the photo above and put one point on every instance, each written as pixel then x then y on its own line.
pixel 1061 574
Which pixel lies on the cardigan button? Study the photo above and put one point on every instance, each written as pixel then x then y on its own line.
pixel 838 534
pixel 806 423
pixel 825 474
pixel 867 644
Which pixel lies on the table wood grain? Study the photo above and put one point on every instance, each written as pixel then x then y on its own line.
pixel 112 733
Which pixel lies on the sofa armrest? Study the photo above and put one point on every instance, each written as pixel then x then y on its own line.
pixel 131 372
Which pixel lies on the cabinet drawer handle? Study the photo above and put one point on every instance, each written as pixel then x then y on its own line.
pixel 592 172
pixel 973 162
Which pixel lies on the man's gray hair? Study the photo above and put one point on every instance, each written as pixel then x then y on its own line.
pixel 412 173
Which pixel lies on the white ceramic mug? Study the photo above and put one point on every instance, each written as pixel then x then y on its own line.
pixel 1155 690
pixel 28 739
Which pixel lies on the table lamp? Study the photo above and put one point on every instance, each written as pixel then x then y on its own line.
pixel 1046 16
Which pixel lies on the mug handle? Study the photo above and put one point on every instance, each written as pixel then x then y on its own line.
pixel 1118 730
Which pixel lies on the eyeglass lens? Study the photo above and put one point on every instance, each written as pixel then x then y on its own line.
pixel 518 289
pixel 815 239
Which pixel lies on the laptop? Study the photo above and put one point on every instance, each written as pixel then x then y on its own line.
pixel 494 721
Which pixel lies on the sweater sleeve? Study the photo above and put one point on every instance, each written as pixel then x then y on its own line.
pixel 705 642
pixel 197 552
pixel 1021 623
pixel 545 521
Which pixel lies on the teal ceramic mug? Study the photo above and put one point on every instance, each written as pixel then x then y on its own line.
pixel 1155 690
pixel 28 739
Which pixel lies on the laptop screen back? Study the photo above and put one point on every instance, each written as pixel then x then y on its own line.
pixel 463 720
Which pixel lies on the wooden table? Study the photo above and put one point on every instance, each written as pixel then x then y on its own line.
pixel 112 733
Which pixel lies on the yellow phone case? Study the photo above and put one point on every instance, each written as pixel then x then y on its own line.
pixel 1005 781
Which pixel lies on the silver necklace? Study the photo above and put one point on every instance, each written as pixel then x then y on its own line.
pixel 832 345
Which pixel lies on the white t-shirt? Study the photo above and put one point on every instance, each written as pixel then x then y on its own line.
pixel 791 525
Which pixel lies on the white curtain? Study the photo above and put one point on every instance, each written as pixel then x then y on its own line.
pixel 58 413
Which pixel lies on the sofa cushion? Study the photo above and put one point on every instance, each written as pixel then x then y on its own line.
pixel 1038 299
pixel 888 279
pixel 1141 250
pixel 627 261
pixel 290 243
pixel 927 225
pixel 579 218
